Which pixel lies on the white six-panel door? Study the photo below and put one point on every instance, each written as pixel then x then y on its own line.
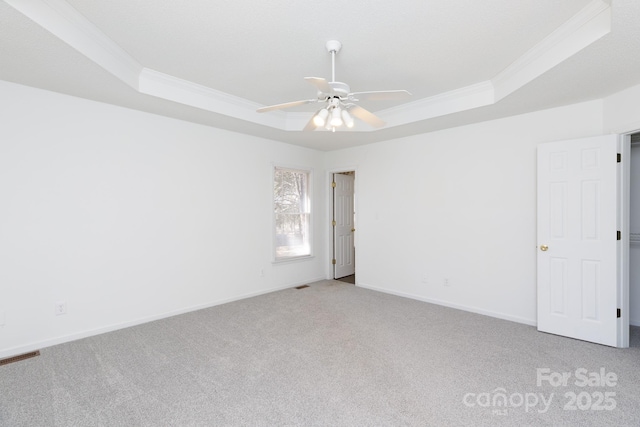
pixel 577 239
pixel 343 210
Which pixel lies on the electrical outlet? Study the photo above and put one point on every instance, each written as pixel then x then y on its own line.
pixel 425 279
pixel 446 282
pixel 60 307
pixel 262 272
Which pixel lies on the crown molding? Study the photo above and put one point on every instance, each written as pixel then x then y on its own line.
pixel 584 28
pixel 63 21
pixel 462 99
pixel 172 88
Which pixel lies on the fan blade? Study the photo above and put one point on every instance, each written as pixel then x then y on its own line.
pixel 310 125
pixel 320 84
pixel 380 95
pixel 285 105
pixel 367 116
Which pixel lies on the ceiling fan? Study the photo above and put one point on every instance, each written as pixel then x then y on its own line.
pixel 339 101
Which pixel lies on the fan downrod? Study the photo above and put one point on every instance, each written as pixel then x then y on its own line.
pixel 341 89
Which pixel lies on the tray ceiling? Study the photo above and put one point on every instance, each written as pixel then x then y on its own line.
pixel 216 62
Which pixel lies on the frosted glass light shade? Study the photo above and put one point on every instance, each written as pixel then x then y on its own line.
pixel 348 120
pixel 336 119
pixel 321 118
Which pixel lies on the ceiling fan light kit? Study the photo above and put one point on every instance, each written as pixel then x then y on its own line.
pixel 347 119
pixel 336 118
pixel 339 100
pixel 320 118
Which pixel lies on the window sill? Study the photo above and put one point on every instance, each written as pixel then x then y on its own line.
pixel 292 259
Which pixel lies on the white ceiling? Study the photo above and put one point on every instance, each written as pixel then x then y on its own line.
pixel 216 62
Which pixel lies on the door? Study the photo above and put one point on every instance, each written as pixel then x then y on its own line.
pixel 344 229
pixel 578 285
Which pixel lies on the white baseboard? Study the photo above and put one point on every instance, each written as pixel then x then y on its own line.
pixel 634 322
pixel 13 351
pixel 88 333
pixel 498 315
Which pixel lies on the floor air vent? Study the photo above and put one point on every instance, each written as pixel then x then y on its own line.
pixel 19 357
pixel 302 287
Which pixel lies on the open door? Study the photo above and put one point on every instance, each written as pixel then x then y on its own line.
pixel 580 282
pixel 344 228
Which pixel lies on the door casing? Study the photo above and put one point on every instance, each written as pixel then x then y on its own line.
pixel 343 225
pixel 329 216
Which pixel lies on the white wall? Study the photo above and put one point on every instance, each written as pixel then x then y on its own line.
pixel 129 217
pixel 622 111
pixel 458 204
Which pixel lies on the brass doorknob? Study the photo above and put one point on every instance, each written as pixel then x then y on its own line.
pixel 544 248
pixel 353 229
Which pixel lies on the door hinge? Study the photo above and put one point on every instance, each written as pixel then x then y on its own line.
pixel 618 314
pixel 619 235
pixel 333 184
pixel 333 223
pixel 619 158
pixel 333 261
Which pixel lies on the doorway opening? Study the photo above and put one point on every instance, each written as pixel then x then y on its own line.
pixel 343 225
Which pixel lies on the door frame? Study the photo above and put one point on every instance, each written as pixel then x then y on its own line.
pixel 624 208
pixel 624 205
pixel 329 215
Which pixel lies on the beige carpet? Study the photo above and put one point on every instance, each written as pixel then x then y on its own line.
pixel 331 354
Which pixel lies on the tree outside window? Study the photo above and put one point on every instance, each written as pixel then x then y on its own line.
pixel 292 212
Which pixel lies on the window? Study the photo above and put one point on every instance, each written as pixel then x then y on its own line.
pixel 292 213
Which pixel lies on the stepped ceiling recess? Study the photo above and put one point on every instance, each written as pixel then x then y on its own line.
pixel 216 63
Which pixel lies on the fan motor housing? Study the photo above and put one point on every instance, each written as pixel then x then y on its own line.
pixel 340 89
